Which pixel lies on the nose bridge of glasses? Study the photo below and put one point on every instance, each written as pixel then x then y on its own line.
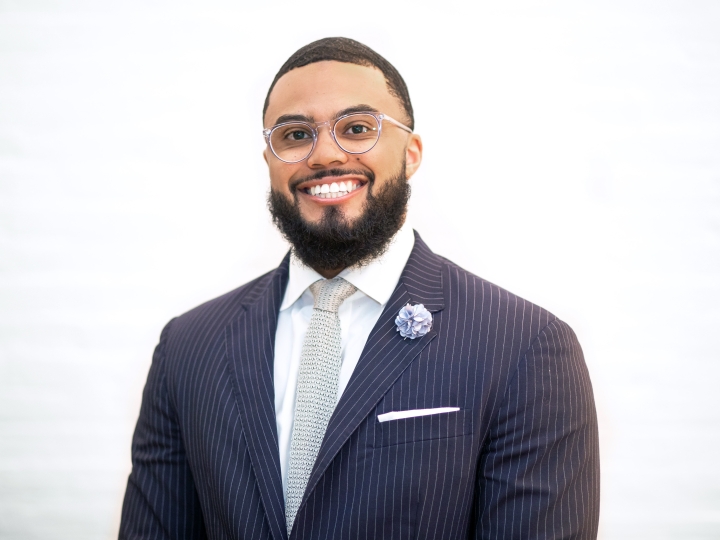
pixel 327 123
pixel 330 124
pixel 325 146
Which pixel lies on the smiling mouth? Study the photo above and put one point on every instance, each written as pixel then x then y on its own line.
pixel 333 190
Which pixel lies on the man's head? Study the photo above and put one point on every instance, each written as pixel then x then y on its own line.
pixel 321 82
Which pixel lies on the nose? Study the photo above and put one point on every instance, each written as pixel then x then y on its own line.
pixel 326 152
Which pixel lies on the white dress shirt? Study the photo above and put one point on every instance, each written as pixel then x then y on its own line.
pixel 375 284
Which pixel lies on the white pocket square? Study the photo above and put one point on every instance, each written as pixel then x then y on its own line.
pixel 397 415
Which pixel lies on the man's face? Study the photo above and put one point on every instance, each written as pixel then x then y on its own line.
pixel 323 91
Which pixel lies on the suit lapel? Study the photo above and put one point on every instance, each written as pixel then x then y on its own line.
pixel 250 341
pixel 385 356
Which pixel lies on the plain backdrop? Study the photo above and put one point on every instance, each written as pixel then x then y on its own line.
pixel 572 156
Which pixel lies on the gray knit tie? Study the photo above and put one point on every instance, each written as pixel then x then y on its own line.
pixel 317 387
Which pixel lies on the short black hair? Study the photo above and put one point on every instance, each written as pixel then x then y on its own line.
pixel 341 49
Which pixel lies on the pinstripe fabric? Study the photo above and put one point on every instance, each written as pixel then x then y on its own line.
pixel 518 460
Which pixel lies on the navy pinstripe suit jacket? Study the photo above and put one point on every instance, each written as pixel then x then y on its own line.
pixel 518 460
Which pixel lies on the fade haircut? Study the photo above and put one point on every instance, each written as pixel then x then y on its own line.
pixel 347 50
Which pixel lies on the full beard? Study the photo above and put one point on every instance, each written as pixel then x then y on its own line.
pixel 335 243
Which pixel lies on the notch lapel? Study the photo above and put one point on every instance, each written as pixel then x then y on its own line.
pixel 250 341
pixel 385 356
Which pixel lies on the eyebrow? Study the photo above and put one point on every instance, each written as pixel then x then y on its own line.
pixel 355 109
pixel 311 119
pixel 294 118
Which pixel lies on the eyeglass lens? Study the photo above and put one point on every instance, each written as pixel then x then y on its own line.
pixel 355 134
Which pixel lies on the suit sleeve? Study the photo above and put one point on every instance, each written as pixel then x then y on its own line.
pixel 539 473
pixel 160 501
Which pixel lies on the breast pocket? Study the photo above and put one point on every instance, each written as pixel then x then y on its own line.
pixel 423 428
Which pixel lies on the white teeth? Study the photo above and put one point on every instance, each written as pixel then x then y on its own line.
pixel 334 190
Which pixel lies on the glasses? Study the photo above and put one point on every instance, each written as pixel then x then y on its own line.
pixel 354 133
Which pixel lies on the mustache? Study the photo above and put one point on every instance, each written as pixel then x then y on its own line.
pixel 319 175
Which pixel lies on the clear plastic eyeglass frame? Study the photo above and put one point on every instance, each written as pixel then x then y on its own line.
pixel 315 126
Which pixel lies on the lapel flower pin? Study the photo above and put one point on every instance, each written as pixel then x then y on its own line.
pixel 413 321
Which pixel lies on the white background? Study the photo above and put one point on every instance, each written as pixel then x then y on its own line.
pixel 572 155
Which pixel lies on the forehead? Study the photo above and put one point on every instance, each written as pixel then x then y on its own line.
pixel 320 90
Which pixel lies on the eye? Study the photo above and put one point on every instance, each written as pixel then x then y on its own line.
pixel 297 135
pixel 356 129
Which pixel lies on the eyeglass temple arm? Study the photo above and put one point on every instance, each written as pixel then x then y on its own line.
pixel 398 124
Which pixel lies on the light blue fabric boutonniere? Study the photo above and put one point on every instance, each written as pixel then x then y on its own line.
pixel 413 321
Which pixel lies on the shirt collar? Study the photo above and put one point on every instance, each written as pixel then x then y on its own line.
pixel 377 279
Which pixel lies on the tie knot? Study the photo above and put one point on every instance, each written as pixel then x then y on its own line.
pixel 330 293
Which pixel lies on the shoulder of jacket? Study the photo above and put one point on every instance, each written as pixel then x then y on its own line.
pixel 487 294
pixel 217 312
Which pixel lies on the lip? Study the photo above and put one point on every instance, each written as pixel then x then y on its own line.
pixel 363 181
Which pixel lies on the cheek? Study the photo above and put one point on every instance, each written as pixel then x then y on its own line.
pixel 280 177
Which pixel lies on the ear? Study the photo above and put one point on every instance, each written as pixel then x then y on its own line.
pixel 265 156
pixel 413 154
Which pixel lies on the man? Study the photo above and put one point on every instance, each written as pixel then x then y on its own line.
pixel 366 388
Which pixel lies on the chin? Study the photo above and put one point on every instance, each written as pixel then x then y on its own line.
pixel 315 215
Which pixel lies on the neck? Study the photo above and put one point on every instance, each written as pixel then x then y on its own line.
pixel 328 274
